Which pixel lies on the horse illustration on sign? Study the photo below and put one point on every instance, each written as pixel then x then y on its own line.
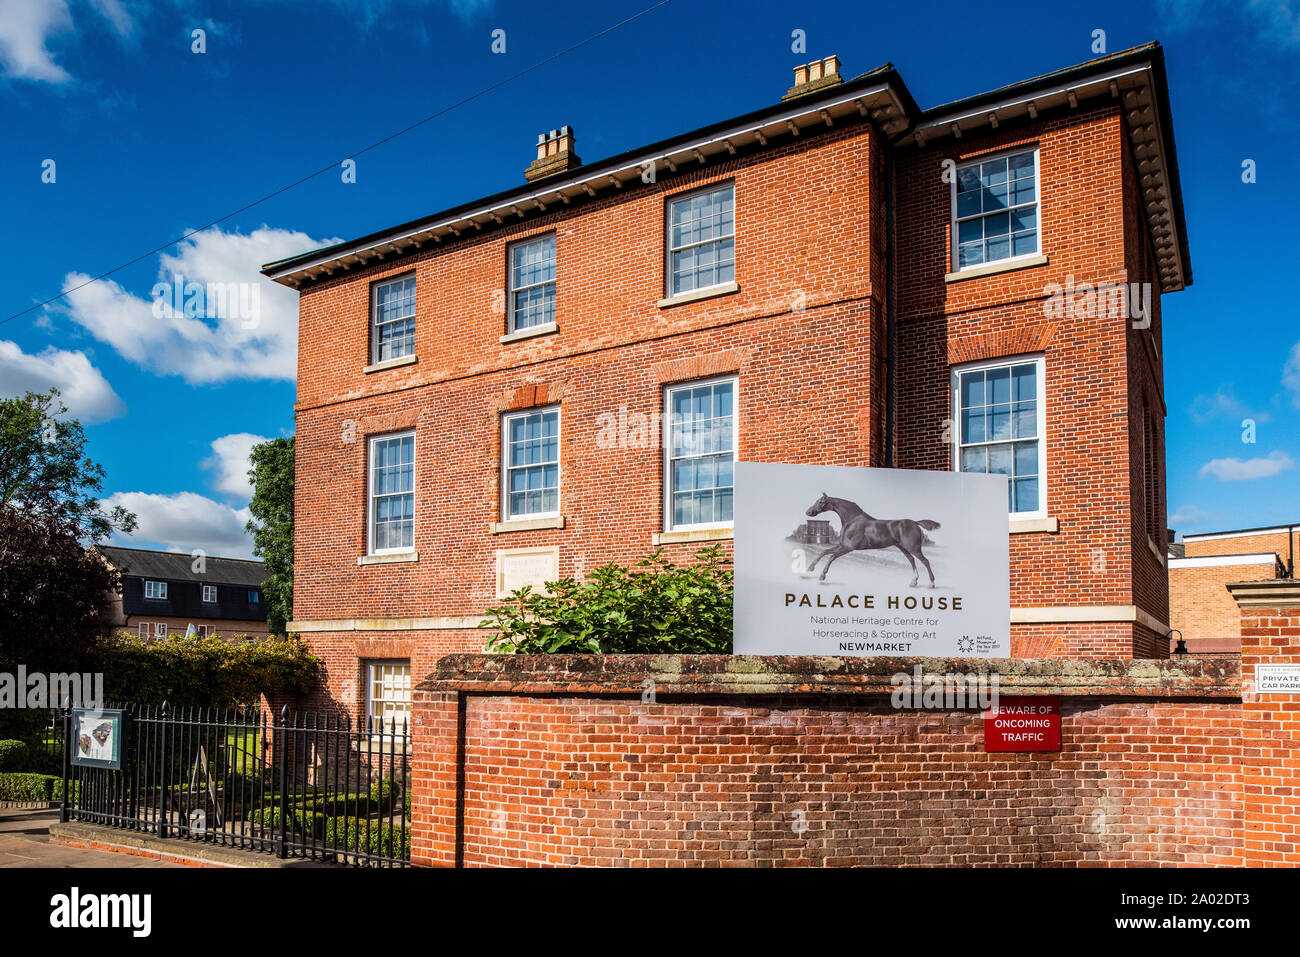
pixel 860 532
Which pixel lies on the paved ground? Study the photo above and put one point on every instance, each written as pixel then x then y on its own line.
pixel 25 842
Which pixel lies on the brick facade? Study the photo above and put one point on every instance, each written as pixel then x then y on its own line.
pixel 806 333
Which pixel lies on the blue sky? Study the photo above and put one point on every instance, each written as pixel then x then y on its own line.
pixel 150 139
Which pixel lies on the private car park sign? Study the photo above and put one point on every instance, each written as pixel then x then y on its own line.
pixel 833 560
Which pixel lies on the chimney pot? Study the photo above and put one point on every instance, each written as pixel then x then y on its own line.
pixel 814 76
pixel 555 154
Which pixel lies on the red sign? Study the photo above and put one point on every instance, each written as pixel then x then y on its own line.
pixel 1023 724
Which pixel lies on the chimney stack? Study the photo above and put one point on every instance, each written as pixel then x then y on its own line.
pixel 554 154
pixel 817 75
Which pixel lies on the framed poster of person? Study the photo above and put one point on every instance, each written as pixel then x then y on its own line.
pixel 98 738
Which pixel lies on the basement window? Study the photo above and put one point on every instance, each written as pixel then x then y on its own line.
pixel 702 240
pixel 995 209
pixel 393 318
pixel 532 283
pixel 999 411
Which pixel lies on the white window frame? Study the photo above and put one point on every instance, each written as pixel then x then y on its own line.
pixel 374 315
pixel 370 686
pixel 506 514
pixel 144 629
pixel 666 441
pixel 370 492
pixel 669 249
pixel 511 289
pixel 213 590
pixel 952 209
pixel 160 589
pixel 203 631
pixel 954 405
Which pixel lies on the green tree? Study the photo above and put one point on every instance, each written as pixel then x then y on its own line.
pixel 272 525
pixel 54 589
pixel 44 472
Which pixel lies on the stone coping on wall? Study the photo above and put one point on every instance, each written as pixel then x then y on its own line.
pixel 825 675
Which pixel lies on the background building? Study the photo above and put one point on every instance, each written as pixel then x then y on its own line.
pixel 163 593
pixel 561 375
pixel 1202 566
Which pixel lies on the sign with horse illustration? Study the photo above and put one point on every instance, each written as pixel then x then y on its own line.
pixel 832 560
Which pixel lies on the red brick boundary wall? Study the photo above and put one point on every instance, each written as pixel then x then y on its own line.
pixel 1270 634
pixel 765 761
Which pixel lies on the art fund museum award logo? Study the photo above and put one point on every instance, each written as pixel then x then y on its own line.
pixel 847 561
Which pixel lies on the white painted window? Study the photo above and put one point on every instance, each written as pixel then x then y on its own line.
pixel 530 467
pixel 999 416
pixel 700 454
pixel 152 629
pixel 995 207
pixel 392 493
pixel 204 631
pixel 393 318
pixel 209 594
pixel 144 629
pixel 155 589
pixel 388 695
pixel 532 283
pixel 701 239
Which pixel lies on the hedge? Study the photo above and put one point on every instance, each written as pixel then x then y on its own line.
pixel 25 787
pixel 14 756
pixel 351 833
pixel 306 823
pixel 207 672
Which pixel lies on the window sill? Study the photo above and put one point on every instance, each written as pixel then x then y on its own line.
pixel 390 364
pixel 542 330
pixel 1019 526
pixel 526 524
pixel 693 535
pixel 389 558
pixel 991 269
pixel 695 295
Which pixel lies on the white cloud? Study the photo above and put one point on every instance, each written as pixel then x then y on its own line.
pixel 184 521
pixel 1291 375
pixel 25 26
pixel 1245 470
pixel 83 388
pixel 211 317
pixel 1275 21
pixel 1189 515
pixel 1222 404
pixel 229 462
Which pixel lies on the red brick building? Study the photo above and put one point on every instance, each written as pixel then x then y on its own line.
pixel 562 374
pixel 1201 567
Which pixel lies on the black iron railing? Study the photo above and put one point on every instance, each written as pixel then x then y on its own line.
pixel 303 786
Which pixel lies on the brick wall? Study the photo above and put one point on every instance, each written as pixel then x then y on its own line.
pixel 1275 542
pixel 1270 634
pixel 788 761
pixel 1201 607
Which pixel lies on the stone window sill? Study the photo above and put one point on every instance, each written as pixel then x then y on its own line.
pixel 1019 526
pixel 390 364
pixel 526 524
pixel 693 535
pixel 389 558
pixel 695 295
pixel 992 269
pixel 543 330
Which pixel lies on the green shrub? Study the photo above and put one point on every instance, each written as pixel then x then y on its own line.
pixel 204 671
pixel 383 795
pixel 31 787
pixel 14 756
pixel 654 607
pixel 371 837
pixel 304 823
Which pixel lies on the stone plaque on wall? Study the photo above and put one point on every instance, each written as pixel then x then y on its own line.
pixel 517 567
